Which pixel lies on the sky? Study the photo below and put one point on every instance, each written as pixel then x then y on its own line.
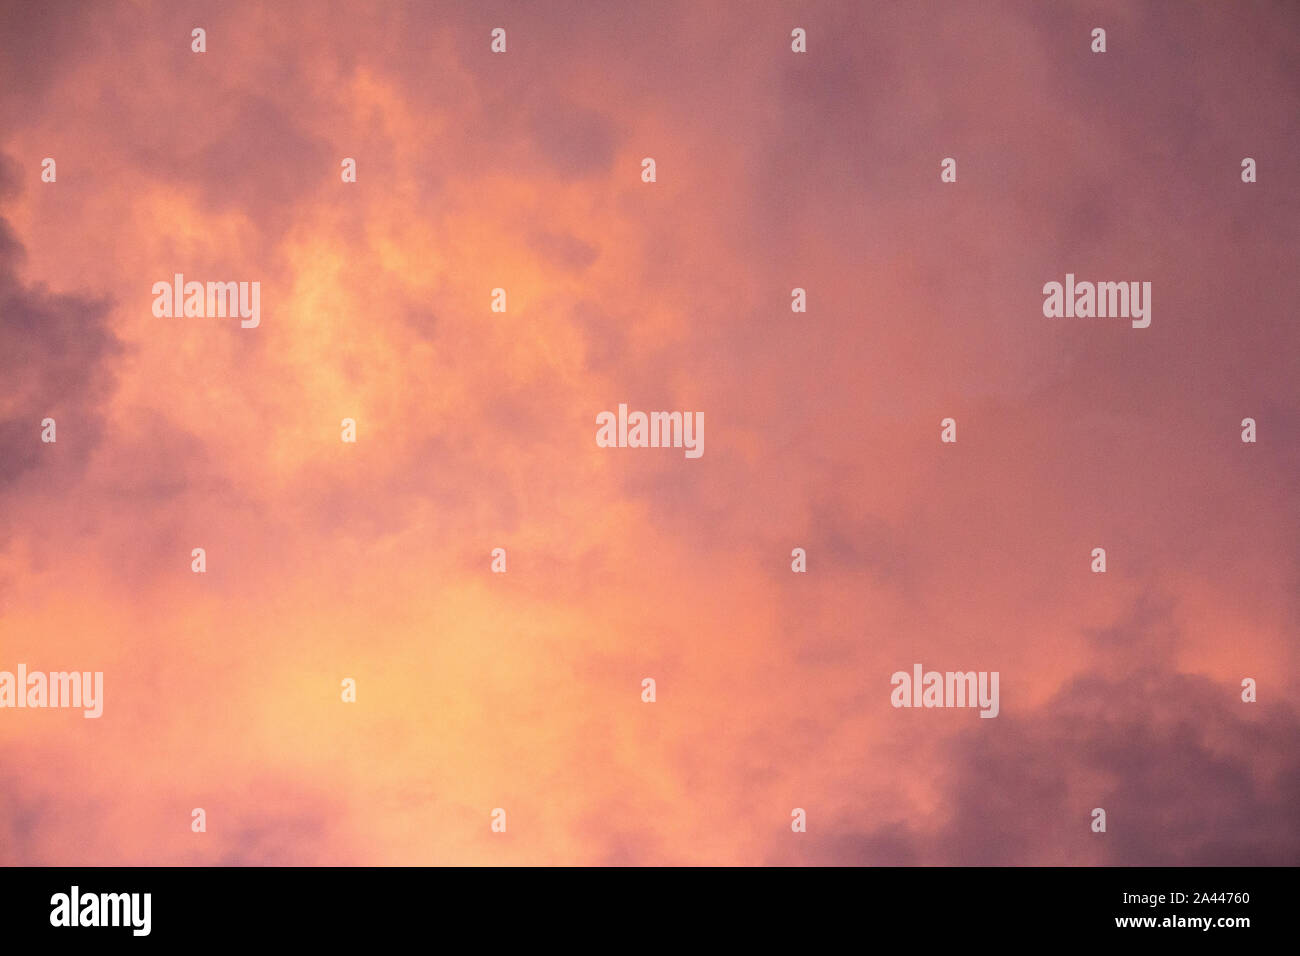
pixel 775 170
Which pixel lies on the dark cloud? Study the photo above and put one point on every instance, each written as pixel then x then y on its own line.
pixel 281 832
pixel 564 250
pixel 260 157
pixel 576 143
pixel 1188 774
pixel 37 41
pixel 23 815
pixel 55 352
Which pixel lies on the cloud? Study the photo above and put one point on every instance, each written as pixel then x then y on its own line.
pixel 477 430
pixel 56 352
pixel 1188 774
